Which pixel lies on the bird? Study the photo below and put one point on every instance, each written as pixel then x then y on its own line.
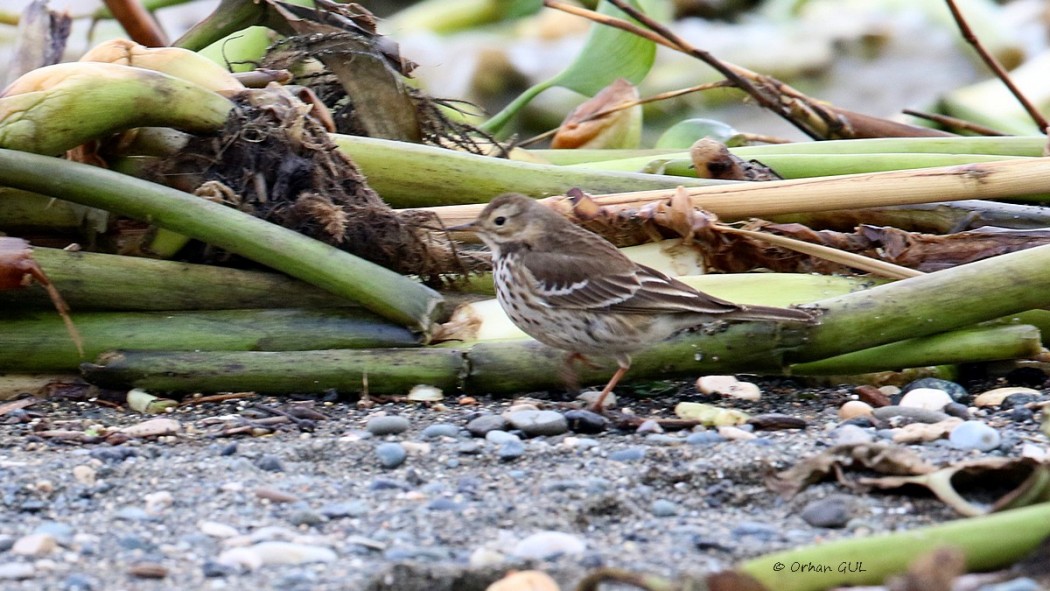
pixel 571 289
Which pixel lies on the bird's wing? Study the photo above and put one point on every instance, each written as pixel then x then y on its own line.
pixel 613 283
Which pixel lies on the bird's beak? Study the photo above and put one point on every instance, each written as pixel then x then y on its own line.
pixel 467 227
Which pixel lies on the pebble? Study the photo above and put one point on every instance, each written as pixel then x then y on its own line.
pixel 306 518
pixel 526 580
pixel 585 421
pixel 482 425
pixel 387 425
pixel 425 393
pixel 216 529
pixel 263 553
pixel 851 435
pixel 853 409
pixel 62 532
pixel 631 454
pixel 833 511
pixel 133 514
pixel 440 430
pixel 10 571
pixel 728 386
pixel 997 396
pixel 591 396
pixel 974 435
pixel 1018 400
pixel 275 495
pixel 35 545
pixel 663 508
pixel 497 437
pixel 538 422
pixel 157 502
pixel 391 455
pixel 704 438
pixel 957 410
pixel 79 582
pixel 511 449
pixel 954 390
pixel 269 463
pixel 649 426
pixel 774 421
pixel 148 570
pixel 343 510
pixel 580 443
pixel 928 398
pixel 546 545
pixel 84 474
pixel 662 439
pixel 114 454
pixel 735 433
pixel 902 415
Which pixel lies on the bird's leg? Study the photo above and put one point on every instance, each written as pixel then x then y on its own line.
pixel 568 373
pixel 625 363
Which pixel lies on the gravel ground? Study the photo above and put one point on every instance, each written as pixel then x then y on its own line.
pixel 312 505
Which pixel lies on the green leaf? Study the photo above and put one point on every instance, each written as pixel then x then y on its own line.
pixel 607 54
pixel 684 133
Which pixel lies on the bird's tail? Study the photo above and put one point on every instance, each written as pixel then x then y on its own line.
pixel 775 314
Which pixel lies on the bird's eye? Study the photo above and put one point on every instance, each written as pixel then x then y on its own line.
pixel 499 221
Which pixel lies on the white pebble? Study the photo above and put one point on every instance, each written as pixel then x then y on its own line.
pixel 974 435
pixel 928 398
pixel 158 501
pixel 485 557
pixel 548 544
pixel 728 386
pixel 854 408
pixel 735 433
pixel 84 474
pixel 425 393
pixel 216 530
pixel 252 557
pixel 35 545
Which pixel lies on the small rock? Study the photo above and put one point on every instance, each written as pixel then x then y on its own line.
pixel 391 455
pixel 833 511
pixel 851 435
pixel 511 449
pixel 153 428
pixel 591 396
pixel 444 504
pixel 580 442
pixel 416 448
pixel 148 570
pixel 538 422
pixel 997 396
pixel 974 435
pixel 954 390
pixel 425 393
pixel 546 545
pixel 903 415
pixel 269 463
pixel 585 421
pixel 252 557
pixel 854 408
pixel 62 532
pixel 216 529
pixel 343 510
pixel 526 580
pixel 927 398
pixel 79 582
pixel 213 570
pixel 957 410
pixel 306 517
pixel 13 571
pixel 649 426
pixel 485 557
pixel 728 386
pixel 922 432
pixel 873 396
pixel 114 454
pixel 275 495
pixel 440 430
pixel 157 502
pixel 84 474
pixel 481 426
pixel 387 425
pixel 35 545
pixel 704 438
pixel 663 508
pixel 497 437
pixel 735 433
pixel 1018 400
pixel 774 421
pixel 631 454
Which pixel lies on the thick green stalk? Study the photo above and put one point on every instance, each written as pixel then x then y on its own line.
pixel 930 304
pixel 385 292
pixel 87 281
pixel 412 175
pixel 960 346
pixel 377 371
pixel 37 341
pixel 989 542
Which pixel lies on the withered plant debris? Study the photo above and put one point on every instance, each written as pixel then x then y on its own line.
pixel 42 35
pixel 276 162
pixel 877 457
pixel 360 74
pixel 18 270
pixel 587 127
pixel 713 160
pixel 932 571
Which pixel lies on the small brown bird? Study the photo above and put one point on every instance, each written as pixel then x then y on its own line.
pixel 571 289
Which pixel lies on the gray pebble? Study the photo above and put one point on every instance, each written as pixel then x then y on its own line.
pixel 538 422
pixel 269 463
pixel 585 421
pixel 6 542
pixel 444 504
pixel 79 582
pixel 62 532
pixel 468 448
pixel 1017 400
pixel 851 434
pixel 662 439
pixel 903 415
pixel 440 430
pixel 10 571
pixel 704 438
pixel 387 425
pixel 546 545
pixel 764 531
pixel 480 426
pixel 832 511
pixel 306 517
pixel 347 509
pixel 391 455
pixel 974 435
pixel 956 409
pixel 631 454
pixel 511 449
pixel 133 514
pixel 664 508
pixel 212 569
pixel 497 437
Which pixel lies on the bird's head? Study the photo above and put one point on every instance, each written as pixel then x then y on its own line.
pixel 510 218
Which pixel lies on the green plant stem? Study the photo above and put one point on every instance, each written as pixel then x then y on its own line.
pixel 87 281
pixel 382 291
pixel 412 175
pixel 989 542
pixel 37 341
